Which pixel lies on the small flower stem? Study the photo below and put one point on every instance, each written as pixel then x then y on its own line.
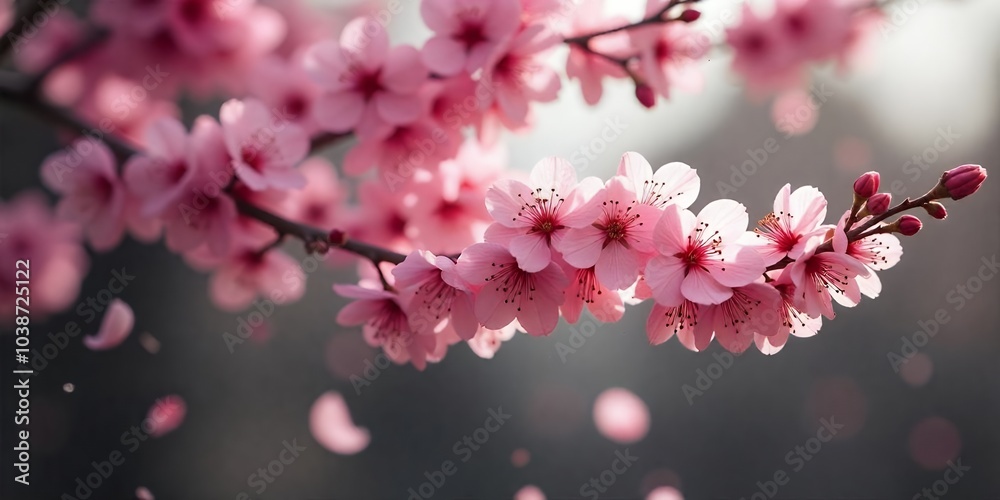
pixel 657 18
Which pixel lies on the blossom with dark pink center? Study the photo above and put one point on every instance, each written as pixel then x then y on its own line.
pixel 440 297
pixel 682 320
pixel 586 290
pixel 92 193
pixel 532 220
pixel 250 273
pixel 466 32
pixel 668 54
pixel 264 146
pixel 793 321
pixel 366 83
pixel 787 231
pixel 617 241
pixel 382 315
pixel 507 292
pixel 518 75
pixel 821 276
pixel 753 309
pixel 700 259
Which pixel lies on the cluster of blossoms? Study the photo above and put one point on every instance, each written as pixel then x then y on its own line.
pixel 454 248
pixel 558 245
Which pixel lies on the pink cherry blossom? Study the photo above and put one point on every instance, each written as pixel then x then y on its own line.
pixel 264 145
pixel 668 55
pixel 331 425
pixel 487 342
pixel 383 216
pixel 793 321
pixel 822 276
pixel 448 213
pixel 538 216
pixel 877 252
pixel 752 310
pixel 116 325
pixel 58 262
pixel 507 292
pixel 590 68
pixel 529 492
pixel 249 273
pixel 675 183
pixel 791 227
pixel 398 151
pixel 366 83
pixel 616 242
pixel 684 321
pixel 92 193
pixel 466 32
pixel 285 86
pixel 586 290
pixel 166 415
pixel 202 219
pixel 160 178
pixel 518 75
pixel 440 295
pixel 816 29
pixel 762 56
pixel 320 203
pixel 386 325
pixel 700 259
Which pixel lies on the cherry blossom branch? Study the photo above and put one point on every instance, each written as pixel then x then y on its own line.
pixel 583 40
pixel 315 239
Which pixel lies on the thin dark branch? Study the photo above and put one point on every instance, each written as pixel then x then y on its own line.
pixel 24 18
pixel 93 38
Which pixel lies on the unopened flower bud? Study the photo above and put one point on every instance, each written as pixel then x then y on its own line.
pixel 337 237
pixel 936 210
pixel 878 203
pixel 690 16
pixel 645 94
pixel 909 225
pixel 962 181
pixel 867 184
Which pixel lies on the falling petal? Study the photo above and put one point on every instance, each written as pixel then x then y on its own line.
pixel 143 493
pixel 68 387
pixel 331 425
pixel 149 343
pixel 115 327
pixel 621 416
pixel 166 415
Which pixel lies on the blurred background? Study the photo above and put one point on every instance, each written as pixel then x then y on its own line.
pixel 930 88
